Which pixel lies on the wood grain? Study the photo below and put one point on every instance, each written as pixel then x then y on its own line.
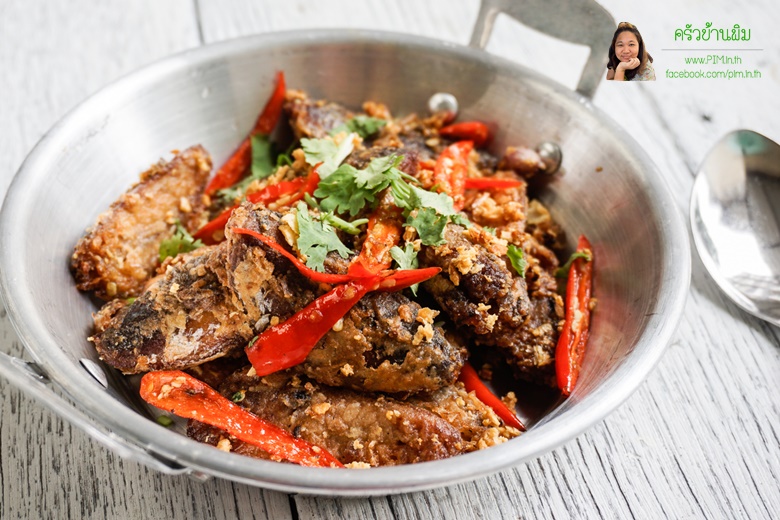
pixel 701 437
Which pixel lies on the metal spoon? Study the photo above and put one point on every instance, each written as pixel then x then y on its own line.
pixel 735 219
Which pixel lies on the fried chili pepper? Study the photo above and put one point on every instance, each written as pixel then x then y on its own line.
pixel 238 164
pixel 490 183
pixel 570 350
pixel 185 396
pixel 383 232
pixel 207 233
pixel 309 273
pixel 473 131
pixel 472 382
pixel 297 187
pixel 451 169
pixel 289 343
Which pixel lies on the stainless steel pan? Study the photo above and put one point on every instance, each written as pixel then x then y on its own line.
pixel 609 190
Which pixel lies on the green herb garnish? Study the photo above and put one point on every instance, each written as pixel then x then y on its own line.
pixel 517 258
pixel 238 396
pixel 406 258
pixel 362 125
pixel 563 271
pixel 262 164
pixel 327 152
pixel 316 239
pixel 164 420
pixel 180 242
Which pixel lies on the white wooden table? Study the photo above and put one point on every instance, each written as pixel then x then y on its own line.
pixel 699 439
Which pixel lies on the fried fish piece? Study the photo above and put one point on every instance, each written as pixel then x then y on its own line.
pixel 386 342
pixel 185 317
pixel 118 255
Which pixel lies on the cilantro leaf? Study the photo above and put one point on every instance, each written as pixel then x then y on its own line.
pixel 517 258
pixel 349 190
pixel 406 258
pixel 429 225
pixel 340 193
pixel 262 165
pixel 361 124
pixel 316 239
pixel 327 152
pixel 377 175
pixel 180 242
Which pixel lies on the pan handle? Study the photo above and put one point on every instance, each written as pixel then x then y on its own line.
pixel 29 378
pixel 577 21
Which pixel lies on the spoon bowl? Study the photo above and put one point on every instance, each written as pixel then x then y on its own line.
pixel 735 220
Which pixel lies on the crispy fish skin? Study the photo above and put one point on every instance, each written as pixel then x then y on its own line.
pixel 357 428
pixel 118 255
pixel 313 119
pixel 475 288
pixel 184 318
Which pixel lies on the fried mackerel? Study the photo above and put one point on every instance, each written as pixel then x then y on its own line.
pixel 360 429
pixel 386 342
pixel 186 317
pixel 211 302
pixel 492 304
pixel 120 252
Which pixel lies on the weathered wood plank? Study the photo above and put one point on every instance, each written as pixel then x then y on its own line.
pixel 699 439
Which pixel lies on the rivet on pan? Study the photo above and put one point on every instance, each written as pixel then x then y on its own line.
pixel 443 102
pixel 551 156
pixel 95 371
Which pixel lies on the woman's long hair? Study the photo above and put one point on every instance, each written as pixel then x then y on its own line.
pixel 643 55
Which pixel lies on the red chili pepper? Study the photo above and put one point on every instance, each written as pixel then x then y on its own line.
pixel 185 396
pixel 570 350
pixel 393 281
pixel 207 232
pixel 490 183
pixel 472 382
pixel 276 191
pixel 312 180
pixel 468 130
pixel 452 167
pixel 311 274
pixel 269 194
pixel 238 164
pixel 383 232
pixel 289 343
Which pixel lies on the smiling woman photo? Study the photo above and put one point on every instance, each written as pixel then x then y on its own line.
pixel 628 57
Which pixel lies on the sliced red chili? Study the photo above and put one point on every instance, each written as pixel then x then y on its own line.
pixel 267 195
pixel 393 281
pixel 238 163
pixel 490 183
pixel 272 110
pixel 570 350
pixel 309 273
pixel 383 232
pixel 207 233
pixel 185 396
pixel 468 130
pixel 290 342
pixel 451 170
pixel 472 382
pixel 276 191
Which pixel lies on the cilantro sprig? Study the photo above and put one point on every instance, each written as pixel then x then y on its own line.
pixel 327 152
pixel 406 258
pixel 317 238
pixel 180 242
pixel 362 125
